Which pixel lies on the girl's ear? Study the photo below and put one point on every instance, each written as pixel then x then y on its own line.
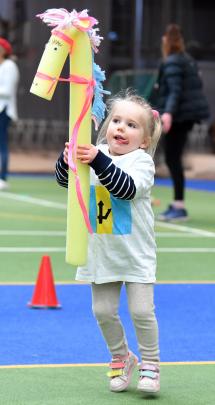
pixel 145 144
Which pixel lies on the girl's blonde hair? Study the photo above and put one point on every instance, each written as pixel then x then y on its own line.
pixel 152 121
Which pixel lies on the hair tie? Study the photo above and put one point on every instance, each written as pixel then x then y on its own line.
pixel 155 114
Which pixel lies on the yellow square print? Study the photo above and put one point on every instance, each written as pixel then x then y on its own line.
pixel 104 210
pixel 108 214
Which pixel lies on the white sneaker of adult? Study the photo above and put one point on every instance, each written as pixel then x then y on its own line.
pixel 3 185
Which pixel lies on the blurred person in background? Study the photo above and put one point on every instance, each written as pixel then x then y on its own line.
pixel 181 103
pixel 9 78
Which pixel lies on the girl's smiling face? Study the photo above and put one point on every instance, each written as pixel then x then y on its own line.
pixel 125 132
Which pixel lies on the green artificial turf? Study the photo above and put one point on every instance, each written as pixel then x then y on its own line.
pixel 24 267
pixel 200 206
pixel 16 215
pixel 180 385
pixel 185 266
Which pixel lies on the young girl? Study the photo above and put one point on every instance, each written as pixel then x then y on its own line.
pixel 122 250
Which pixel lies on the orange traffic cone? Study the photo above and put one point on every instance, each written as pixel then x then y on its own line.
pixel 44 295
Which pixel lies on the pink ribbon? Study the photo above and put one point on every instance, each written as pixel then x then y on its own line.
pixel 52 79
pixel 72 151
pixel 64 37
pixel 73 142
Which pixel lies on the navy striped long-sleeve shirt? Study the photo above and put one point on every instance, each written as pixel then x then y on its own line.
pixel 117 182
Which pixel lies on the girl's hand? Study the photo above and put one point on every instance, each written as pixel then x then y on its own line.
pixel 86 153
pixel 166 119
pixel 65 153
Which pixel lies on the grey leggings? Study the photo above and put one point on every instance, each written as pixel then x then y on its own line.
pixel 141 306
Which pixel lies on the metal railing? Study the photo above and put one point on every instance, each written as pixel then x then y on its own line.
pixel 140 80
pixel 30 134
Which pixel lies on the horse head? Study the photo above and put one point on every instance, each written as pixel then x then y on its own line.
pixel 70 28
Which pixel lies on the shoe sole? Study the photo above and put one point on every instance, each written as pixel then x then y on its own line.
pixel 173 219
pixel 146 392
pixel 126 384
pixel 178 219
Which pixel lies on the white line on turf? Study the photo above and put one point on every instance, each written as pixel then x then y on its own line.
pixel 181 235
pixel 183 228
pixel 31 233
pixel 63 249
pixel 31 249
pixel 31 200
pixel 5 232
pixel 186 250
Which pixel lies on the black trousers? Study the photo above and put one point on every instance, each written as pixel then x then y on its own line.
pixel 4 123
pixel 174 144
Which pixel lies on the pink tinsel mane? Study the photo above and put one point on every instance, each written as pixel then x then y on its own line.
pixel 62 19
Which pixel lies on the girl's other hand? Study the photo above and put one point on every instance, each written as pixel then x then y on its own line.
pixel 86 153
pixel 166 119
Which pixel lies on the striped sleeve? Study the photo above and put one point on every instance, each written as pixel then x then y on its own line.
pixel 117 182
pixel 61 172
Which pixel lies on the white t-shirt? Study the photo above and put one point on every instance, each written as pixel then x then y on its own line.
pixel 123 246
pixel 9 78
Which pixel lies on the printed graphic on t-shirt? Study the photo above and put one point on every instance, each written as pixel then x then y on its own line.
pixel 109 215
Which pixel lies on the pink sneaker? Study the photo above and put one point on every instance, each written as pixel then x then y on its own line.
pixel 149 381
pixel 121 371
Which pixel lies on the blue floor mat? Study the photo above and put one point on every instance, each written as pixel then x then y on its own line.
pixel 185 314
pixel 194 184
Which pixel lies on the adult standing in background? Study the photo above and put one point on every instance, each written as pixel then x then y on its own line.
pixel 181 103
pixel 9 78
